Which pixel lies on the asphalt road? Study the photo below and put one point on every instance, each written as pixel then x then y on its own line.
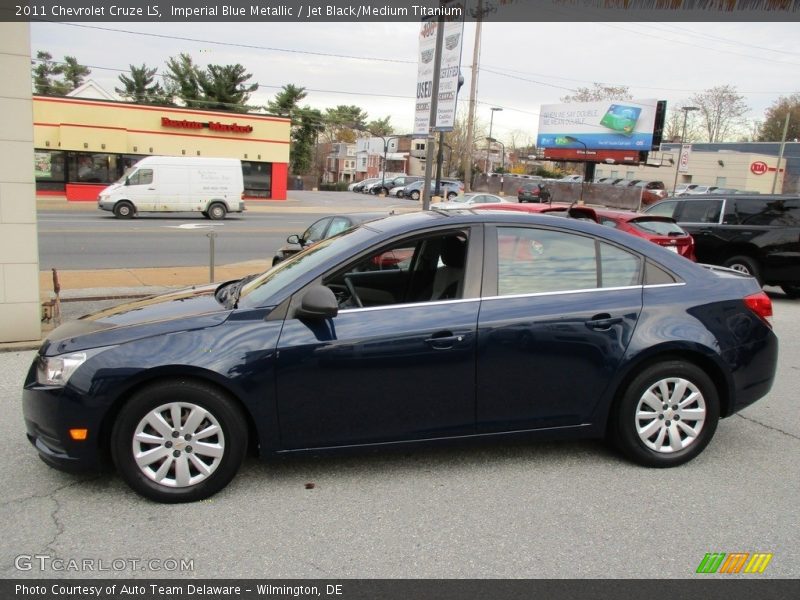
pixel 535 510
pixel 92 239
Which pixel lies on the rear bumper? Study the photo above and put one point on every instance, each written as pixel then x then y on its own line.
pixel 754 374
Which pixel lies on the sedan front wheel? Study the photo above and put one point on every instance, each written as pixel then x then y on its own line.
pixel 667 415
pixel 178 441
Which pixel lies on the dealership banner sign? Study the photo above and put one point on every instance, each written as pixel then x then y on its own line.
pixel 606 125
pixel 448 78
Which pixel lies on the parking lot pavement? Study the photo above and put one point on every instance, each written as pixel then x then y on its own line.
pixel 527 510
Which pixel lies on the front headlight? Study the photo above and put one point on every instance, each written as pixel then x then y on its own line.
pixel 56 370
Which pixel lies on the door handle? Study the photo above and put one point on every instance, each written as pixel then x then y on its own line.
pixel 444 340
pixel 602 322
pixel 151 188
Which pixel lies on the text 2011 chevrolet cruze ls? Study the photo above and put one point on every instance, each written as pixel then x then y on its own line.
pixel 412 328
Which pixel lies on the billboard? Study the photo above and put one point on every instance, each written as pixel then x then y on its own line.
pixel 606 125
pixel 448 77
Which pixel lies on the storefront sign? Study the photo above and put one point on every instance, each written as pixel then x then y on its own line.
pixel 758 167
pixel 212 125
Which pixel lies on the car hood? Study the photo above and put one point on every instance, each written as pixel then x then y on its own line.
pixel 194 308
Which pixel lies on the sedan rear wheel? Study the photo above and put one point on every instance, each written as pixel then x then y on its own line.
pixel 667 415
pixel 178 441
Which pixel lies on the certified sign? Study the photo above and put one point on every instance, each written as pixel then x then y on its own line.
pixel 758 167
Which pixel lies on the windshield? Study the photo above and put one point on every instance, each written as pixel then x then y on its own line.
pixel 128 172
pixel 263 288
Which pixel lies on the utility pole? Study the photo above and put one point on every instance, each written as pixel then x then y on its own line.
pixel 431 139
pixel 780 154
pixel 478 13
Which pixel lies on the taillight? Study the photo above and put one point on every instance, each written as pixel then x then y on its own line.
pixel 761 305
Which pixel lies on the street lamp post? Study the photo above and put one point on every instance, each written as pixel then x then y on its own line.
pixel 494 109
pixel 502 158
pixel 575 140
pixel 385 154
pixel 686 110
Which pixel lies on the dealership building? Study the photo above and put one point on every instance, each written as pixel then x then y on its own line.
pixel 82 145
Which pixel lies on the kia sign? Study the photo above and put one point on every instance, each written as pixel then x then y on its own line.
pixel 607 125
pixel 448 76
pixel 683 163
pixel 758 167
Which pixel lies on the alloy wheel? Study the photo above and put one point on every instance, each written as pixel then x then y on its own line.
pixel 670 415
pixel 178 444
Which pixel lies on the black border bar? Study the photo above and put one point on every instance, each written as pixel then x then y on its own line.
pixel 727 588
pixel 324 11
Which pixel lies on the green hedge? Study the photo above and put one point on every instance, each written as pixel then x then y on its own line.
pixel 334 187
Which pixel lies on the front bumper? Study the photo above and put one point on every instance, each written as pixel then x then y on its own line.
pixel 50 412
pixel 102 205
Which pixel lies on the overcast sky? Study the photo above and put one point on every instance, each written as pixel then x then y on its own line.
pixel 523 65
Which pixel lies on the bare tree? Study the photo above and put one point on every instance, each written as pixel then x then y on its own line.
pixel 673 126
pixel 722 112
pixel 598 92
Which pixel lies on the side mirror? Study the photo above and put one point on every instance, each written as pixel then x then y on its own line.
pixel 293 239
pixel 319 302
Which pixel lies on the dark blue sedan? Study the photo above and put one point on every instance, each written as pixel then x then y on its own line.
pixel 412 328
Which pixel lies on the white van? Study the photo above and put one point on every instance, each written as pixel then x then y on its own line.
pixel 211 186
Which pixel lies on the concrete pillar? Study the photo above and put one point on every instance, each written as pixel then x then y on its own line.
pixel 20 312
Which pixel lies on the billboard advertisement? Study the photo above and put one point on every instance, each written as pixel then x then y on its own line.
pixel 448 77
pixel 606 125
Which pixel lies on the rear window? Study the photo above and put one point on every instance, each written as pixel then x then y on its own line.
pixel 658 227
pixel 699 211
pixel 763 211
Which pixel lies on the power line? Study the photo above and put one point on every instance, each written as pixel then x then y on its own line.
pixel 233 44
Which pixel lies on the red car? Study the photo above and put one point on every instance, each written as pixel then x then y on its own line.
pixel 659 230
pixel 663 231
pixel 559 209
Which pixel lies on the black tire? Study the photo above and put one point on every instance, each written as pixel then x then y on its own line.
pixel 744 264
pixel 793 291
pixel 414 195
pixel 645 439
pixel 451 195
pixel 217 211
pixel 188 395
pixel 124 210
pixel 400 194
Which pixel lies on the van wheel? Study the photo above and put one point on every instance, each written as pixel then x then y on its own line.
pixel 124 210
pixel 217 211
pixel 744 264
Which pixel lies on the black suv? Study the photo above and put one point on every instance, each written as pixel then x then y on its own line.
pixel 758 235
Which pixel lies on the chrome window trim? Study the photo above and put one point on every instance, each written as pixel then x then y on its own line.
pixel 409 305
pixel 532 294
pixel 562 292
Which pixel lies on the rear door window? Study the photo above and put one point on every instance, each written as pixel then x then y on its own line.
pixel 699 211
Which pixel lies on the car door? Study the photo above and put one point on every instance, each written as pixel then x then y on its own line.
pixel 401 366
pixel 140 188
pixel 701 219
pixel 558 312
